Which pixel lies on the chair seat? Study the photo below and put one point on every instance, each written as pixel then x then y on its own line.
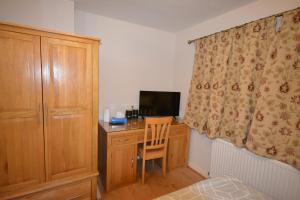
pixel 151 153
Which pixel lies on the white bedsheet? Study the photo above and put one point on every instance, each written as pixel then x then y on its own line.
pixel 219 188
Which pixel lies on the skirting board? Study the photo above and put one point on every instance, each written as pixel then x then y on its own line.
pixel 198 170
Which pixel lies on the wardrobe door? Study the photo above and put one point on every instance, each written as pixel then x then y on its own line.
pixel 21 119
pixel 67 95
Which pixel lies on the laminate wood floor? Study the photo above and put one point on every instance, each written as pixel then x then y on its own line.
pixel 155 185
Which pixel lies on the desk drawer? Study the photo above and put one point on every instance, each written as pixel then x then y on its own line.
pixel 120 140
pixel 76 191
pixel 140 138
pixel 178 130
pixel 175 130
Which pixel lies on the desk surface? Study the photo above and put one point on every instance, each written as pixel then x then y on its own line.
pixel 133 124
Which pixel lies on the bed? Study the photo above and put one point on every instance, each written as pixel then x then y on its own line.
pixel 236 173
pixel 219 188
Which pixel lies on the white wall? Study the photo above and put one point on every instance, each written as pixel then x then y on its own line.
pixel 200 148
pixel 52 14
pixel 132 58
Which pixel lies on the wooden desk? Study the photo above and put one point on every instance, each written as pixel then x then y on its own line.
pixel 118 151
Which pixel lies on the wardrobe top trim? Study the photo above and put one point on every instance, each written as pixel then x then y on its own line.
pixel 42 31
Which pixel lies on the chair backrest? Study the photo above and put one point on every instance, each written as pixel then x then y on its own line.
pixel 159 128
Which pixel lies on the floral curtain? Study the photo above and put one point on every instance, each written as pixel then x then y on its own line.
pixel 208 83
pixel 246 87
pixel 275 130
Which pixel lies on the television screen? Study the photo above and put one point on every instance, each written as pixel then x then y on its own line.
pixel 156 103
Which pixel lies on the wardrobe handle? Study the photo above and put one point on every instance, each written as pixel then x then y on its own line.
pixel 39 114
pixel 46 113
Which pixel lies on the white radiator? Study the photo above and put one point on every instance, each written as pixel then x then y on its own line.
pixel 276 179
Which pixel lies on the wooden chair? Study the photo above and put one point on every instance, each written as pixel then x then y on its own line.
pixel 157 146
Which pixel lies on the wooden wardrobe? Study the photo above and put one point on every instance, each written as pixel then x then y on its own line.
pixel 48 114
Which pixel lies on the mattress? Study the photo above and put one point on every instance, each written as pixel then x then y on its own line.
pixel 219 188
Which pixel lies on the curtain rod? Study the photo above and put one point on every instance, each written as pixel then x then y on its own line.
pixel 275 15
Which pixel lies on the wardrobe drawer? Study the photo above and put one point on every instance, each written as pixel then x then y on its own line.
pixel 120 140
pixel 76 191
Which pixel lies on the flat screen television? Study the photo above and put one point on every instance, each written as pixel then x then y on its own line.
pixel 158 103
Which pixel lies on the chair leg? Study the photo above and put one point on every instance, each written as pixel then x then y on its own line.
pixel 164 166
pixel 152 164
pixel 143 171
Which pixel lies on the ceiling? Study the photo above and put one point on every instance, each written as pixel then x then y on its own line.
pixel 167 15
